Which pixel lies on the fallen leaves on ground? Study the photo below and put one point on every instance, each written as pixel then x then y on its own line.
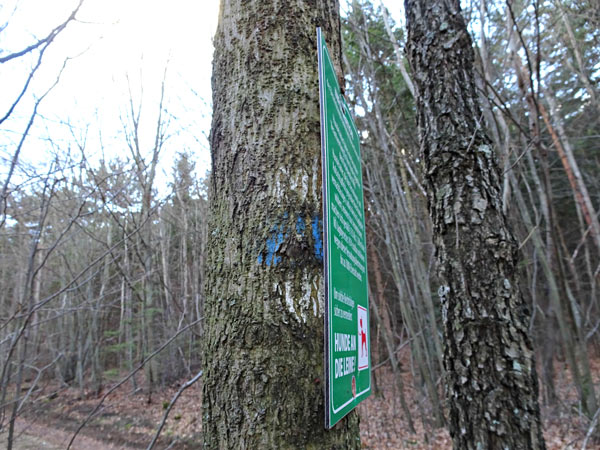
pixel 129 420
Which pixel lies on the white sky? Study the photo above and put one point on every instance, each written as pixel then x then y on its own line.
pixel 119 40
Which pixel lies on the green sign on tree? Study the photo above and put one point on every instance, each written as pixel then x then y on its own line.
pixel 347 348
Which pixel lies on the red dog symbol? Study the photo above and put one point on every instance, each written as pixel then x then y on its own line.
pixel 363 339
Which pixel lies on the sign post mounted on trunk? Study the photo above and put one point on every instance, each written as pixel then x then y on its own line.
pixel 347 348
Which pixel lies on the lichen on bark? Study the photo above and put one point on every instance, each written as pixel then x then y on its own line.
pixel 490 379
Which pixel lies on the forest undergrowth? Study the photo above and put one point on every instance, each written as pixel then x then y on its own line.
pixel 129 421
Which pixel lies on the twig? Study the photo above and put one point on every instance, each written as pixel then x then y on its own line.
pixel 528 237
pixel 173 401
pixel 591 429
pixel 124 380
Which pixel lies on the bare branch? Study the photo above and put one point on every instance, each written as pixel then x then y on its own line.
pixel 45 41
pixel 124 380
pixel 173 401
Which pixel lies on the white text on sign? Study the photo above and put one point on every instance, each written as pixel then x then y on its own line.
pixel 344 366
pixel 345 342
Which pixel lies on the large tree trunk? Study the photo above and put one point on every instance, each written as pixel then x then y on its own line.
pixel 263 344
pixel 490 373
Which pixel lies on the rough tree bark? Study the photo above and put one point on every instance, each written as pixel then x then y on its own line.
pixel 491 384
pixel 263 344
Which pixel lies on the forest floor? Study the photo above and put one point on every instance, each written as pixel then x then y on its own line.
pixel 127 421
pixel 384 427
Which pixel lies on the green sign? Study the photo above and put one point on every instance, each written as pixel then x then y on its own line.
pixel 347 348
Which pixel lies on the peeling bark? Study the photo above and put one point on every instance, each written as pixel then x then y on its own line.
pixel 491 384
pixel 263 345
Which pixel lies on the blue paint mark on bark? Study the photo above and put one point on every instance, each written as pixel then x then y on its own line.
pixel 278 235
pixel 317 232
pixel 273 244
pixel 300 226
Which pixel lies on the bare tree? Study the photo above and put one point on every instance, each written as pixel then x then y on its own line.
pixel 40 47
pixel 491 382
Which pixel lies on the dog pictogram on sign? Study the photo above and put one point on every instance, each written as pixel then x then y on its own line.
pixel 363 338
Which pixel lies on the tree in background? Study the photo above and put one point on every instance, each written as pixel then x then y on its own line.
pixel 91 253
pixel 263 342
pixel 399 231
pixel 491 384
pixel 35 52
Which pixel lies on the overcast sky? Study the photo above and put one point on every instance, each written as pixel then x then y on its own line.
pixel 119 45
